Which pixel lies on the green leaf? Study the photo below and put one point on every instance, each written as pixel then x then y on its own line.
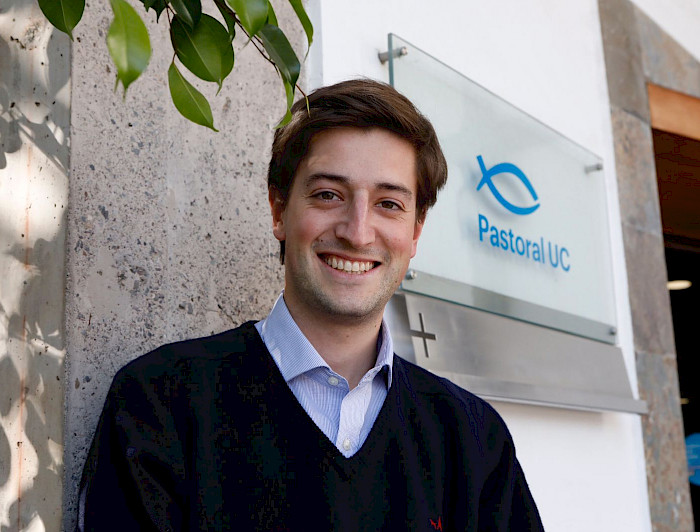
pixel 304 19
pixel 286 119
pixel 271 17
pixel 128 43
pixel 252 13
pixel 190 11
pixel 205 50
pixel 63 14
pixel 229 18
pixel 189 101
pixel 156 5
pixel 289 91
pixel 280 51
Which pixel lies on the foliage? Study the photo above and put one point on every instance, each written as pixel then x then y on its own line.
pixel 201 43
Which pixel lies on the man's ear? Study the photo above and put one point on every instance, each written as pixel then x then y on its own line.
pixel 417 230
pixel 277 209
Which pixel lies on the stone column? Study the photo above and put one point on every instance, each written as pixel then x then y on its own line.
pixel 637 51
pixel 169 232
pixel 34 149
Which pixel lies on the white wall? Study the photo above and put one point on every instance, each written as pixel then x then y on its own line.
pixel 586 470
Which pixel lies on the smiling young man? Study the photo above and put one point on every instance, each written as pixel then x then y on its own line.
pixel 350 226
pixel 306 419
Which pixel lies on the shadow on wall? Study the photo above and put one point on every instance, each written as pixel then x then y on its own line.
pixel 34 127
pixel 31 372
pixel 29 85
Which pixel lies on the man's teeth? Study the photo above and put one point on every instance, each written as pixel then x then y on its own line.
pixel 348 265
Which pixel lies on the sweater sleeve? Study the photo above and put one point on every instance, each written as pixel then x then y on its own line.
pixel 506 503
pixel 134 473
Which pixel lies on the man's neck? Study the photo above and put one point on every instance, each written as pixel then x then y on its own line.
pixel 349 347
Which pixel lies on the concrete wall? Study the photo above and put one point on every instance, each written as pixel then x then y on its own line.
pixel 169 234
pixel 586 470
pixel 34 153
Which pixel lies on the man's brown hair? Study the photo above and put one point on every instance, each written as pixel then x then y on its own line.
pixel 358 103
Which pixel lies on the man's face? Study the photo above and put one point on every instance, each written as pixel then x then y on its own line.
pixel 349 224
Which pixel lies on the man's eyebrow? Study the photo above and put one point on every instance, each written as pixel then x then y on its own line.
pixel 393 187
pixel 310 180
pixel 382 185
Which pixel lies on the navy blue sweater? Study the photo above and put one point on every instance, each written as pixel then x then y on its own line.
pixel 206 435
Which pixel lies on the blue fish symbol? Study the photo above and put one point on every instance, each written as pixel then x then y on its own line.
pixel 509 168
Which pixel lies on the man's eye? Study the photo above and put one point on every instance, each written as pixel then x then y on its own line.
pixel 391 205
pixel 326 195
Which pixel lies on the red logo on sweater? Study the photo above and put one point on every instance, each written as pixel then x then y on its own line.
pixel 438 525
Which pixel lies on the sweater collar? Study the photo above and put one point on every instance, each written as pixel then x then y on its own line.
pixel 294 354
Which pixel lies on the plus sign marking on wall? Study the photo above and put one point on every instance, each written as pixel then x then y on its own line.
pixel 423 334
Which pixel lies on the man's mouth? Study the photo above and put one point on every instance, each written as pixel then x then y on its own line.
pixel 349 266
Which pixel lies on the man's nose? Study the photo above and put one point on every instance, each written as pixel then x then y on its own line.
pixel 356 227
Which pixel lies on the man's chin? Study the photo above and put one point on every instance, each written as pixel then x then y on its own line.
pixel 350 308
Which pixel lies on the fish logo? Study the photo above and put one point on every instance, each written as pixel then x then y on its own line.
pixel 503 168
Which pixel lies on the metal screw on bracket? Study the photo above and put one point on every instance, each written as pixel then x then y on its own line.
pixel 613 331
pixel 597 167
pixel 411 274
pixel 397 52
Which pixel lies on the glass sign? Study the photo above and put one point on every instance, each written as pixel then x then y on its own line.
pixel 521 228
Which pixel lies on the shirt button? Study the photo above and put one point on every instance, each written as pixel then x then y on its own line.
pixel 333 381
pixel 347 444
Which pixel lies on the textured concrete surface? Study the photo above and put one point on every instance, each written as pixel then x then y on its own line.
pixel 623 57
pixel 636 171
pixel 663 62
pixel 663 429
pixel 34 122
pixel 169 234
pixel 646 273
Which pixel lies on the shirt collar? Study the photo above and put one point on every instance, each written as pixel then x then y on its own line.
pixel 294 354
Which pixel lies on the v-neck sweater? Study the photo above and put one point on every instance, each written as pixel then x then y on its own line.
pixel 206 435
pixel 345 415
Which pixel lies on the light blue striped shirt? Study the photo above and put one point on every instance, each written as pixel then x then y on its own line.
pixel 345 416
